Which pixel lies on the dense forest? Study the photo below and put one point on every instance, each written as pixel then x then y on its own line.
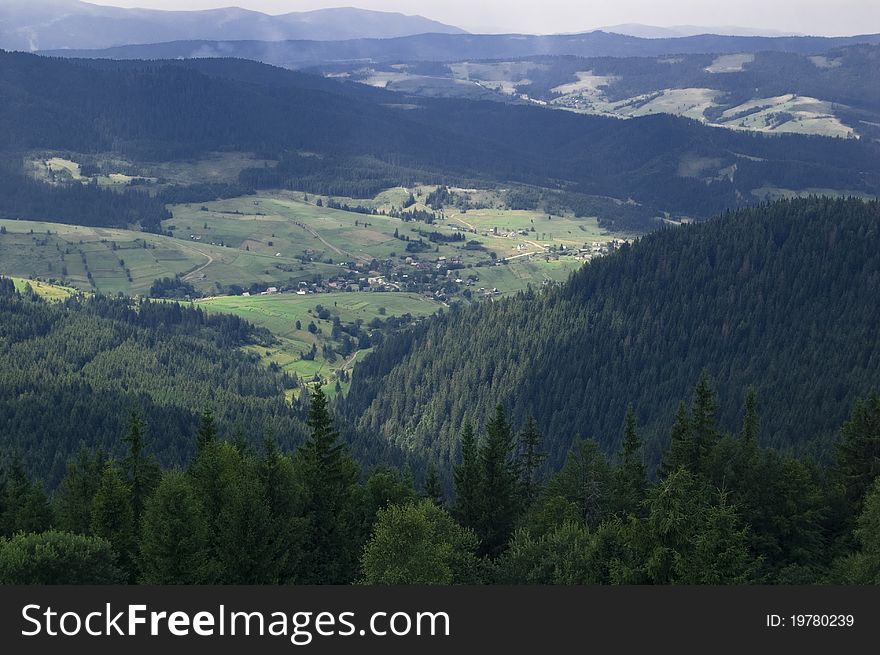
pixel 722 510
pixel 77 204
pixel 72 370
pixel 783 297
pixel 153 110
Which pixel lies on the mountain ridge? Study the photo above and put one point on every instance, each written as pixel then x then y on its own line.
pixel 69 24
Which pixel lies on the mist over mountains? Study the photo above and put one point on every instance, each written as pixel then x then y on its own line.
pixel 63 24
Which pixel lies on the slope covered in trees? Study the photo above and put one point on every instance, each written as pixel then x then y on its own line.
pixel 783 297
pixel 723 511
pixel 72 371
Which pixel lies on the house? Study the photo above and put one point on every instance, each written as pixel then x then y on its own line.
pixel 272 290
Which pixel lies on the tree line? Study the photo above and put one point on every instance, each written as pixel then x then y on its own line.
pixel 721 510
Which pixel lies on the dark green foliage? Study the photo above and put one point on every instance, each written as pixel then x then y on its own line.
pixel 433 488
pixel 76 203
pixel 529 458
pixel 327 476
pixel 745 514
pixel 74 496
pixel 858 451
pixel 499 501
pixel 631 479
pixel 467 476
pixel 781 297
pixel 57 558
pixel 87 358
pixel 24 506
pixel 419 543
pixel 174 544
pixel 113 519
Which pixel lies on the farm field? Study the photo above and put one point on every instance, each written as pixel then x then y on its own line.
pixel 279 314
pixel 285 225
pixel 127 261
pixel 45 290
pixel 116 172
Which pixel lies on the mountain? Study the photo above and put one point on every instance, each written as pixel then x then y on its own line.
pixel 460 47
pixel 783 297
pixel 64 24
pixel 656 32
pixel 836 94
pixel 370 139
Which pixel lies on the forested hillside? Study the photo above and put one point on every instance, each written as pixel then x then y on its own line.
pixel 72 372
pixel 163 111
pixel 723 511
pixel 783 297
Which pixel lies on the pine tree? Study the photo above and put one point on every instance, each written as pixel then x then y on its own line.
pixel 632 479
pixel 681 448
pixel 703 426
pixel 24 505
pixel 328 477
pixel 207 433
pixel 113 518
pixel 141 472
pixel 857 454
pixel 751 422
pixel 433 488
pixel 498 490
pixel 73 500
pixel 175 536
pixel 529 459
pixel 468 480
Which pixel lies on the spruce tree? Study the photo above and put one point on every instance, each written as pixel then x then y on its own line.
pixel 857 453
pixel 681 448
pixel 433 487
pixel 498 489
pixel 529 459
pixel 632 479
pixel 207 433
pixel 468 480
pixel 751 422
pixel 113 518
pixel 175 535
pixel 327 476
pixel 73 500
pixel 141 472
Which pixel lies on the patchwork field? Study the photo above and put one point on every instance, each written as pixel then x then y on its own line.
pixel 279 314
pixel 112 260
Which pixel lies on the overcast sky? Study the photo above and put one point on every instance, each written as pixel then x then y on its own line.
pixel 825 17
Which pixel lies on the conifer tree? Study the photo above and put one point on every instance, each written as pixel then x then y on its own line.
pixel 433 488
pixel 207 433
pixel 632 479
pixel 857 454
pixel 141 472
pixel 751 422
pixel 175 536
pixel 498 489
pixel 681 448
pixel 529 459
pixel 327 476
pixel 73 500
pixel 468 480
pixel 113 518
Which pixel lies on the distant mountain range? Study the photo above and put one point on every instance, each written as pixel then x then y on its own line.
pixel 459 47
pixel 673 31
pixel 60 24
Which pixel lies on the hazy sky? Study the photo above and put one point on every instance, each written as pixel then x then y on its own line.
pixel 826 17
